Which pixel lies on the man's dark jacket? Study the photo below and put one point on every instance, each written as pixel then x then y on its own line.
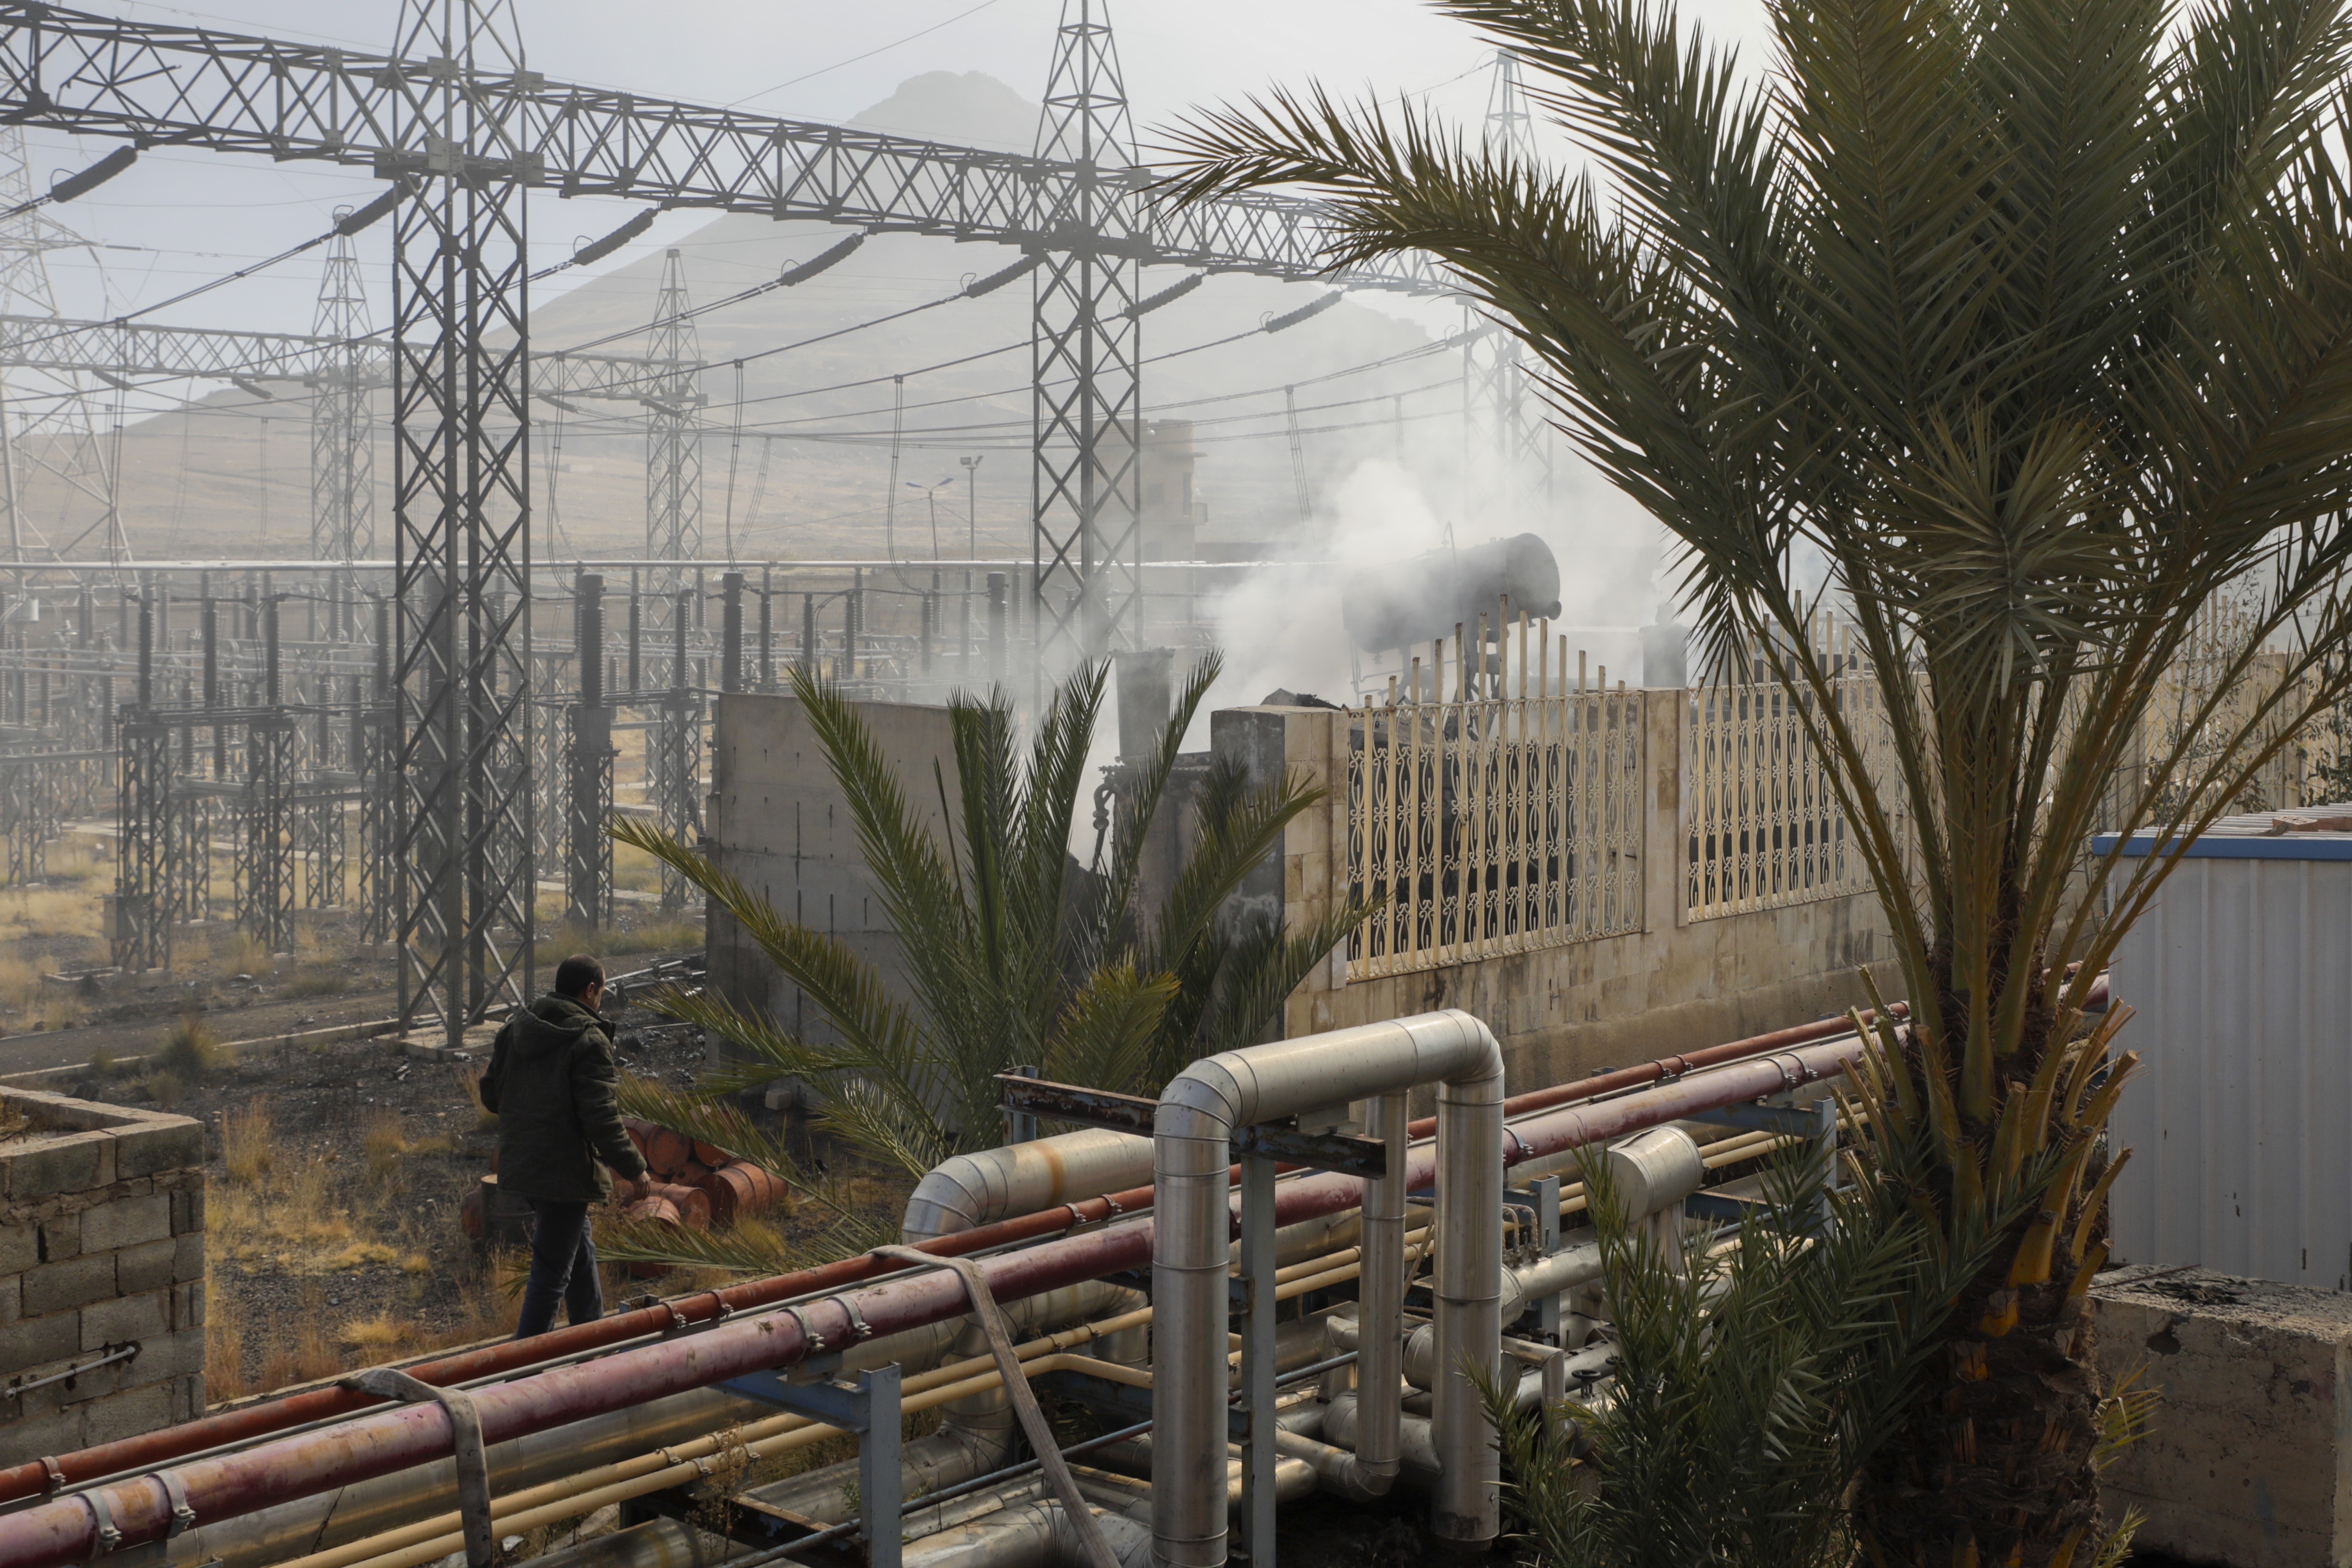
pixel 551 1085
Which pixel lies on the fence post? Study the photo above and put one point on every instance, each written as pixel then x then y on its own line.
pixel 1665 901
pixel 1308 872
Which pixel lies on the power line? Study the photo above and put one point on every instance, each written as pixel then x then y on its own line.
pixel 883 48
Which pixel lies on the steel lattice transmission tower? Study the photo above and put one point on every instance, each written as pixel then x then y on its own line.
pixel 342 430
pixel 1086 355
pixel 461 516
pixel 673 399
pixel 1503 425
pixel 63 429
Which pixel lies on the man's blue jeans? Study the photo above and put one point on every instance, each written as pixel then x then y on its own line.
pixel 562 1268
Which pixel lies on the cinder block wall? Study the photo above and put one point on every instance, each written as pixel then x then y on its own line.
pixel 101 1249
pixel 776 819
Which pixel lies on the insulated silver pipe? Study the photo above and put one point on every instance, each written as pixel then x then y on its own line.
pixel 1192 1200
pixel 1379 1363
pixel 1467 1503
pixel 1027 1535
pixel 980 1188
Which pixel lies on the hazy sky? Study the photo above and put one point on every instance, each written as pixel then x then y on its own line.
pixel 198 216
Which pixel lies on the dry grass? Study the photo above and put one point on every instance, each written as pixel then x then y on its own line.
pixel 248 1143
pixel 316 980
pixel 28 1003
pixel 668 935
pixel 51 915
pixel 386 1139
pixel 381 1334
pixel 485 1119
pixel 321 1342
pixel 191 1052
pixel 242 953
pixel 634 870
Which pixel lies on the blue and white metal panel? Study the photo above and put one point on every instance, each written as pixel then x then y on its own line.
pixel 2241 1120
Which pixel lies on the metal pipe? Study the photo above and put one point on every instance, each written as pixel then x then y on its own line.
pixel 64 1531
pixel 1468 1504
pixel 1381 1303
pixel 1191 1138
pixel 1029 1535
pixel 326 1521
pixel 974 1190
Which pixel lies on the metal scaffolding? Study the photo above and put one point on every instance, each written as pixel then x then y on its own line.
pixel 453 115
pixel 588 768
pixel 673 398
pixel 462 514
pixel 1506 446
pixel 342 424
pixel 62 429
pixel 1085 428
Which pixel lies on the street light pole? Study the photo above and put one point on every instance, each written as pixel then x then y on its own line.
pixel 971 549
pixel 970 514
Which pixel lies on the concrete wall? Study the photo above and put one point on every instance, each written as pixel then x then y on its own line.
pixel 2248 1459
pixel 102 1247
pixel 778 822
pixel 1566 1011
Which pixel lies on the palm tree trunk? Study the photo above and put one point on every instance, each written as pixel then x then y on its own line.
pixel 1997 1464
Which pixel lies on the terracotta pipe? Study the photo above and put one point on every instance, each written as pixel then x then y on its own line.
pixel 65 1531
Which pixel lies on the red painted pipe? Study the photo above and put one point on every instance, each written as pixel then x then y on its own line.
pixel 151 1448
pixel 65 1530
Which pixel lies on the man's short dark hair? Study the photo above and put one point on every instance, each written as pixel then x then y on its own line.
pixel 576 973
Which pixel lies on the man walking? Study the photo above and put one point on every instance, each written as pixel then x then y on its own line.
pixel 550 1084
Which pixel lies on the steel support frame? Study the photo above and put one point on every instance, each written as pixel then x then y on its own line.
pixel 462 510
pixel 266 872
pixel 675 743
pixel 342 429
pixel 588 863
pixel 189 827
pixel 381 886
pixel 550 776
pixel 142 934
pixel 321 845
pixel 1086 366
pixel 673 399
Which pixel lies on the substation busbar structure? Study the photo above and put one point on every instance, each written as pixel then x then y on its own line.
pixel 454 115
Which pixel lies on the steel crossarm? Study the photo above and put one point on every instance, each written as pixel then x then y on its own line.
pixel 165 85
pixel 223 353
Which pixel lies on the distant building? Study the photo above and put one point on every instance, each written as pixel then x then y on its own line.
pixel 1172 513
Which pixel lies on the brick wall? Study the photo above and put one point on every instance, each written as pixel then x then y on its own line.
pixel 101 1249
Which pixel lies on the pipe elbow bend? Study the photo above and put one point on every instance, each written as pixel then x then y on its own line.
pixel 951 1198
pixel 1458 1048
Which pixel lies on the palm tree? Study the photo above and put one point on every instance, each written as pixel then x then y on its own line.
pixel 1008 957
pixel 1749 1384
pixel 2018 332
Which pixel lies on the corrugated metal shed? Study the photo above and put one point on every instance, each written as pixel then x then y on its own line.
pixel 2241 1121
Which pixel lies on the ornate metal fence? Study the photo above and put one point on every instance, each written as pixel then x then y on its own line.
pixel 1477 828
pixel 1763 822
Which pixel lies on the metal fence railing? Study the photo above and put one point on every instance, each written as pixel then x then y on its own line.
pixel 1481 827
pixel 1762 820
